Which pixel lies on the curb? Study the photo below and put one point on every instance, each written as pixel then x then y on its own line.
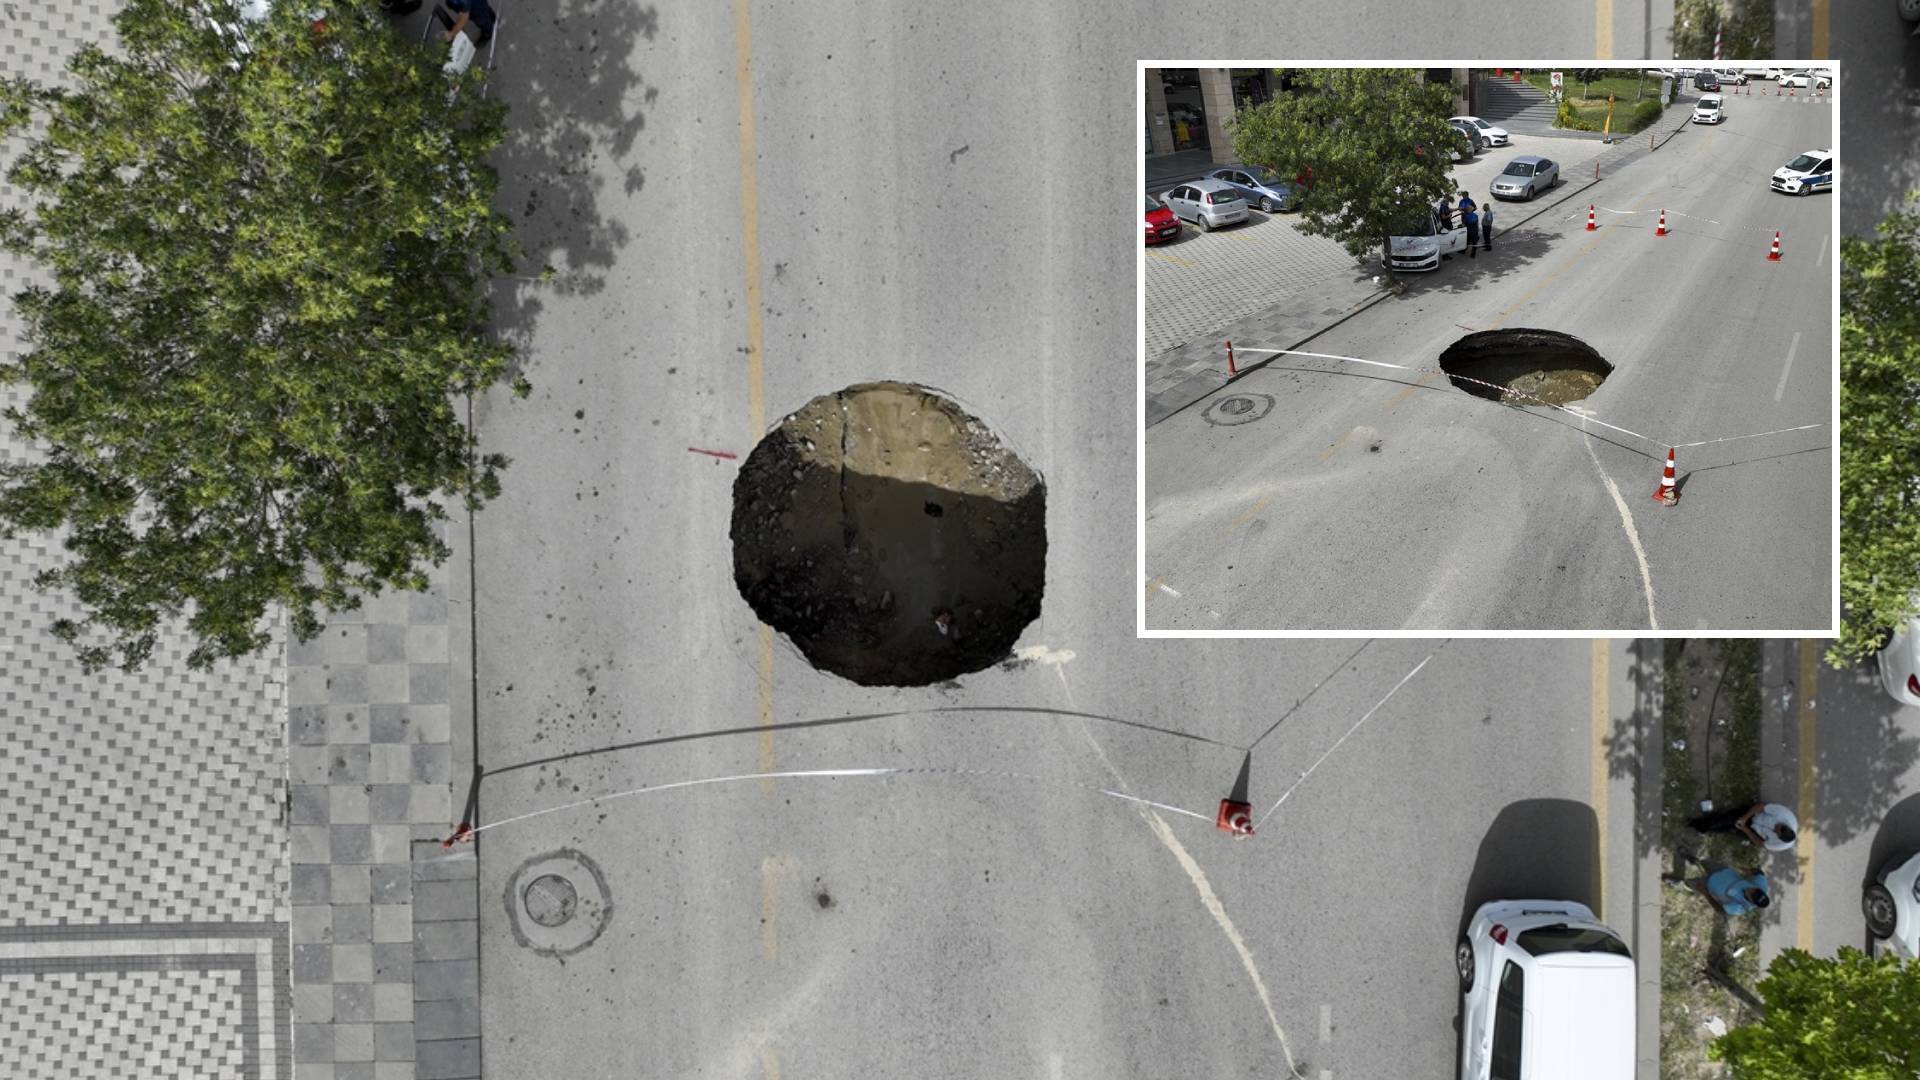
pixel 1647 784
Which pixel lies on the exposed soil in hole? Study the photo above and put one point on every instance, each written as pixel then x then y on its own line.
pixel 891 536
pixel 1525 367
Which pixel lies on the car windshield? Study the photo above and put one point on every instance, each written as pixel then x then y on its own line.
pixel 1152 204
pixel 1710 103
pixel 1554 939
pixel 1481 124
pixel 1417 226
pixel 1521 168
pixel 1801 163
pixel 1267 178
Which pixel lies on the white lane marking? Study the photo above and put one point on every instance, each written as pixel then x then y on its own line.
pixel 1822 260
pixel 1633 536
pixel 1208 900
pixel 1792 347
pixel 1056 1067
pixel 1326 1024
pixel 1165 588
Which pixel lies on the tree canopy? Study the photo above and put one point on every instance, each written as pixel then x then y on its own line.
pixel 1375 141
pixel 1848 1015
pixel 1879 434
pixel 1745 27
pixel 269 246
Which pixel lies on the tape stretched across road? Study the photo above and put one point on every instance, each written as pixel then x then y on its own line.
pixel 1674 213
pixel 1584 416
pixel 800 773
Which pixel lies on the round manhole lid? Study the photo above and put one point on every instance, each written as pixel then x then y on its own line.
pixel 551 900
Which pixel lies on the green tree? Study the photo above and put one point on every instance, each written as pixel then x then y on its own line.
pixel 269 252
pixel 1879 434
pixel 1848 1016
pixel 1745 27
pixel 1375 141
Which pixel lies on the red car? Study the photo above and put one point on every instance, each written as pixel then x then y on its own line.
pixel 1161 224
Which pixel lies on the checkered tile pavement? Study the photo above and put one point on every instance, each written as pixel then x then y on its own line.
pixel 166 1024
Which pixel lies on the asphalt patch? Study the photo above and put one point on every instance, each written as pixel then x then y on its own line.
pixel 891 536
pixel 1525 366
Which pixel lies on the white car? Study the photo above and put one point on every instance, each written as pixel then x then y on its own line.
pixel 1730 76
pixel 1806 174
pixel 1758 72
pixel 1806 78
pixel 1708 110
pixel 1495 136
pixel 1892 904
pixel 1900 663
pixel 1546 993
pixel 1419 244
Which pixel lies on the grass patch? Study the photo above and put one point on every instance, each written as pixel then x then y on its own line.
pixel 1710 720
pixel 1585 108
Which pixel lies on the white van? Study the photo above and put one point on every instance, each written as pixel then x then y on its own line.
pixel 1546 993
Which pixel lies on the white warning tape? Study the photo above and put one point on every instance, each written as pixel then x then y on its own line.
pixel 1408 677
pixel 1583 414
pixel 800 773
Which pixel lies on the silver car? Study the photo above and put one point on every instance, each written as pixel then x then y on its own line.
pixel 1207 203
pixel 1525 177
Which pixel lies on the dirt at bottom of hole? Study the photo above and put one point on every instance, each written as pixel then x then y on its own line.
pixel 891 536
pixel 1552 387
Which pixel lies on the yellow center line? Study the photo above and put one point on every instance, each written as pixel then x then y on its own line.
pixel 1248 516
pixel 1822 10
pixel 1336 444
pixel 1168 258
pixel 1407 392
pixel 770 1062
pixel 770 907
pixel 1154 585
pixel 1597 778
pixel 756 383
pixel 1809 779
pixel 1603 29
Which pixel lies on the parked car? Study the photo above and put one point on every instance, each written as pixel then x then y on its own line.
pixel 1806 78
pixel 1420 243
pixel 1730 76
pixel 1495 136
pixel 1476 142
pixel 1707 111
pixel 1161 223
pixel 1891 903
pixel 1548 972
pixel 1900 663
pixel 1810 172
pixel 1524 177
pixel 1765 72
pixel 1260 186
pixel 1207 203
pixel 1705 80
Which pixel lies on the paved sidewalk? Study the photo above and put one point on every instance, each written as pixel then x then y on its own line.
pixel 1335 290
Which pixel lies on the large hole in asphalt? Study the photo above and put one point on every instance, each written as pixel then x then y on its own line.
pixel 1525 367
pixel 891 536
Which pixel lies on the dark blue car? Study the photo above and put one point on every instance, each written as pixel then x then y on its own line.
pixel 1261 187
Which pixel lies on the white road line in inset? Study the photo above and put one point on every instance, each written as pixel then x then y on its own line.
pixel 1633 536
pixel 1326 1024
pixel 1822 261
pixel 1792 347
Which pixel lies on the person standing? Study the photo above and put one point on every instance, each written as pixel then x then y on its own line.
pixel 1486 226
pixel 1472 221
pixel 1466 202
pixel 1443 214
pixel 478 12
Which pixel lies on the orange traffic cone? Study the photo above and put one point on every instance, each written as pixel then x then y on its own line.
pixel 1668 494
pixel 1231 370
pixel 1774 255
pixel 1589 217
pixel 462 834
pixel 1662 230
pixel 1235 818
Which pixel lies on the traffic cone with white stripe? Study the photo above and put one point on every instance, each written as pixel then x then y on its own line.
pixel 1669 493
pixel 1235 818
pixel 1662 229
pixel 1589 217
pixel 1774 255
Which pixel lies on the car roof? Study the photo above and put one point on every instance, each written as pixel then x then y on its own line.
pixel 1580 1010
pixel 1531 159
pixel 1708 100
pixel 1210 185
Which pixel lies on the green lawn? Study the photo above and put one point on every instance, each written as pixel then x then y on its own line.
pixel 1588 101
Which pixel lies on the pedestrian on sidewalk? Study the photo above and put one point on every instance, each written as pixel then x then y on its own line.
pixel 1768 825
pixel 1728 889
pixel 1486 226
pixel 1466 202
pixel 1443 214
pixel 478 12
pixel 1472 222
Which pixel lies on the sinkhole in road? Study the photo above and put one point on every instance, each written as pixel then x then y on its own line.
pixel 1525 366
pixel 891 535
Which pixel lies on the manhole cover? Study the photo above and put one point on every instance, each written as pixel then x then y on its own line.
pixel 891 535
pixel 1237 409
pixel 557 903
pixel 550 900
pixel 1525 366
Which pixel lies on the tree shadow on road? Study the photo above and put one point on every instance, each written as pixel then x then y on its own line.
pixel 1880 170
pixel 1864 752
pixel 1634 731
pixel 577 104
pixel 1514 252
pixel 1537 849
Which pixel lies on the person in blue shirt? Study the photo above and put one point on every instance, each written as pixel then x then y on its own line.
pixel 1729 889
pixel 478 12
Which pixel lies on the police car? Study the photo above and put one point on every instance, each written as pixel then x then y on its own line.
pixel 1810 172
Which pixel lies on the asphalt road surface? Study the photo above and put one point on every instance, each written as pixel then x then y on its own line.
pixel 1879 129
pixel 916 195
pixel 1371 498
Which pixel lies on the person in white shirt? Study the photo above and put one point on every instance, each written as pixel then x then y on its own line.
pixel 1768 825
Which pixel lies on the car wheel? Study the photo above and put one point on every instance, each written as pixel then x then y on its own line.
pixel 1877 905
pixel 1910 10
pixel 1463 963
pixel 1266 205
pixel 1203 224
